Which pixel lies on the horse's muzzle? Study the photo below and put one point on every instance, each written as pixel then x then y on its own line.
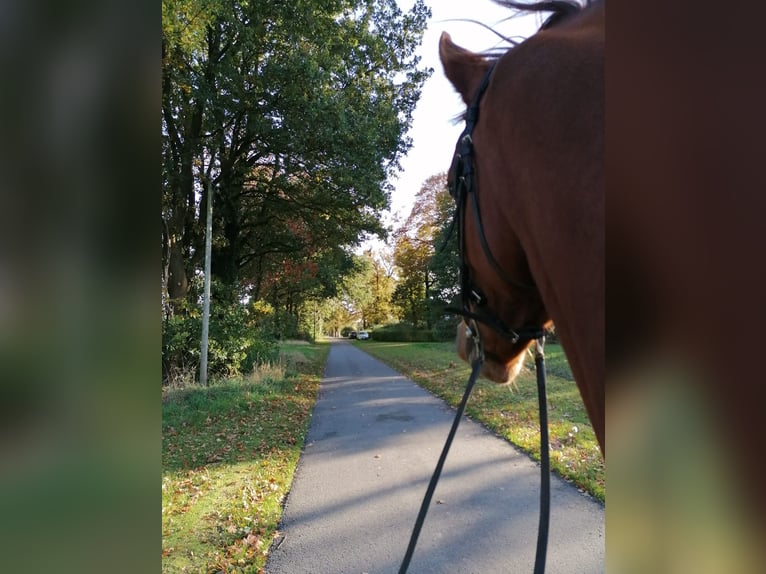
pixel 464 342
pixel 492 369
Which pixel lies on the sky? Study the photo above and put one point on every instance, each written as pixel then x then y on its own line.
pixel 433 129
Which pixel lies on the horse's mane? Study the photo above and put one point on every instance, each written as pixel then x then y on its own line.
pixel 559 9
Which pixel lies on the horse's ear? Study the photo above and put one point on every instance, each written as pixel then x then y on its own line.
pixel 464 69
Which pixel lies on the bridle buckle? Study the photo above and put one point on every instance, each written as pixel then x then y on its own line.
pixel 477 349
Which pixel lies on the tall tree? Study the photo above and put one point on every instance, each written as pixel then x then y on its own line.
pixel 414 250
pixel 335 316
pixel 297 112
pixel 369 289
pixel 445 262
pixel 381 281
pixel 411 291
pixel 358 292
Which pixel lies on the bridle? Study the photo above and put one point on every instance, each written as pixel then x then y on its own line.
pixel 462 190
pixel 474 310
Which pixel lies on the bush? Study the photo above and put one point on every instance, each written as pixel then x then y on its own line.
pixel 445 329
pixel 402 332
pixel 236 344
pixel 260 352
pixel 181 335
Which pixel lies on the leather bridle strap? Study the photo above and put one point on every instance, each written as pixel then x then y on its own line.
pixel 545 474
pixel 545 463
pixel 439 465
pixel 525 334
pixel 463 185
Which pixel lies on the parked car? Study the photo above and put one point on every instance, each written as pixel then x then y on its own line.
pixel 362 335
pixel 352 335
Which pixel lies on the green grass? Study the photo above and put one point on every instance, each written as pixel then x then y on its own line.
pixel 511 411
pixel 229 452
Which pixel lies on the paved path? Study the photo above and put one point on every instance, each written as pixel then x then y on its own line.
pixel 372 445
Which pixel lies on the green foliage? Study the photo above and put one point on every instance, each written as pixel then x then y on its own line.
pixel 181 336
pixel 335 316
pixel 445 329
pixel 411 291
pixel 402 332
pixel 442 330
pixel 280 325
pixel 423 270
pixel 445 263
pixel 294 115
pixel 241 83
pixel 357 289
pixel 237 343
pixel 380 310
pixel 366 293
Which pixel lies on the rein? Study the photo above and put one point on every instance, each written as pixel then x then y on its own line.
pixel 461 186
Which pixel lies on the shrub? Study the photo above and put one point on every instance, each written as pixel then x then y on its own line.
pixel 260 352
pixel 445 329
pixel 402 332
pixel 236 344
pixel 181 335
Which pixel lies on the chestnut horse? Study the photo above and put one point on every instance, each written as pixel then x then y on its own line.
pixel 681 287
pixel 538 180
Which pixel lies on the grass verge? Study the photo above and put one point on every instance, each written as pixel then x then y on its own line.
pixel 229 452
pixel 511 411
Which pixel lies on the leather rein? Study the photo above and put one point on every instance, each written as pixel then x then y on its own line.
pixel 473 311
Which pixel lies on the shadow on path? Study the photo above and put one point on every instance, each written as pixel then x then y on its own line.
pixel 373 443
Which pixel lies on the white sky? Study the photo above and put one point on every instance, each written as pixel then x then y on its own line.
pixel 433 132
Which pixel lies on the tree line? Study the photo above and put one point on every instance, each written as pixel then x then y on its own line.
pixel 294 115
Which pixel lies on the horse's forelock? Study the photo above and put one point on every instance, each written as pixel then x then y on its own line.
pixel 560 10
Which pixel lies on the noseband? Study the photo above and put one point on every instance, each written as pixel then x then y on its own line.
pixel 462 188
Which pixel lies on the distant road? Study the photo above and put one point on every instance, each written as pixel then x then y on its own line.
pixel 373 443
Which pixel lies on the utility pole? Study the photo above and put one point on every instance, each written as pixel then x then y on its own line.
pixel 206 300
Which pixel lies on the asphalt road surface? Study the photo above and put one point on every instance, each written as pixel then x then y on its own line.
pixel 373 443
